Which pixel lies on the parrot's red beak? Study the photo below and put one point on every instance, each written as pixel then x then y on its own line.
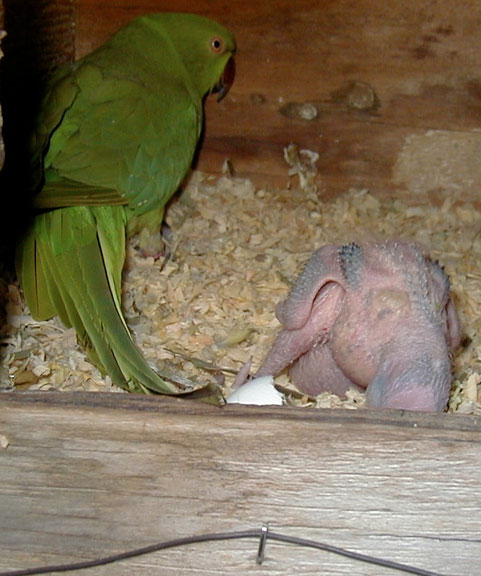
pixel 226 80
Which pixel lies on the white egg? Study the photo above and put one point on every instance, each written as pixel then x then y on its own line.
pixel 259 391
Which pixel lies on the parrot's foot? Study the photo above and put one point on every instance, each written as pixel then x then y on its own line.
pixel 150 244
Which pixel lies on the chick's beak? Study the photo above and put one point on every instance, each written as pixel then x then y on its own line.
pixel 226 80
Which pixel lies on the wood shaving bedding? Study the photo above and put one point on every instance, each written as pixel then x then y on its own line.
pixel 233 253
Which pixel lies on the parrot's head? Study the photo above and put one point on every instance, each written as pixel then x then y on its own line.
pixel 206 49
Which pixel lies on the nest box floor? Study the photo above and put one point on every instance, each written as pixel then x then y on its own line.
pixel 233 252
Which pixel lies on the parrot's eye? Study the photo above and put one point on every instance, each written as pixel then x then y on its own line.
pixel 217 45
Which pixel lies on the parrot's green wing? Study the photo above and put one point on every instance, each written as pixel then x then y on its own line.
pixel 121 141
pixel 60 193
pixel 115 137
pixel 77 257
pixel 72 259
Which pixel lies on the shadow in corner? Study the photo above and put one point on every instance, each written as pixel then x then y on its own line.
pixel 39 36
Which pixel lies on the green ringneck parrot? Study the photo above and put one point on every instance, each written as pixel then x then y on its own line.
pixel 115 137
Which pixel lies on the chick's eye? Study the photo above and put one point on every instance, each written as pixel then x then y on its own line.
pixel 217 45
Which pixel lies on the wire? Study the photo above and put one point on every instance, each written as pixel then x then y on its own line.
pixel 354 555
pixel 263 534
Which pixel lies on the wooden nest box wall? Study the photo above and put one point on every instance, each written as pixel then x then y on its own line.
pixel 388 95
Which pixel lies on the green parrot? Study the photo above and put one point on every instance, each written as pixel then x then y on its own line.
pixel 115 137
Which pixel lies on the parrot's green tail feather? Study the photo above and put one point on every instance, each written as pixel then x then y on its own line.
pixel 70 264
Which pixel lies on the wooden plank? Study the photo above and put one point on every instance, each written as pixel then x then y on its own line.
pixel 40 36
pixel 419 57
pixel 2 35
pixel 92 474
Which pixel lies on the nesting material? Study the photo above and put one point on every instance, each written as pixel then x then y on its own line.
pixel 233 253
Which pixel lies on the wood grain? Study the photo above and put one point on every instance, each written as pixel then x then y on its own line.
pixel 2 34
pixel 40 36
pixel 419 57
pixel 92 474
